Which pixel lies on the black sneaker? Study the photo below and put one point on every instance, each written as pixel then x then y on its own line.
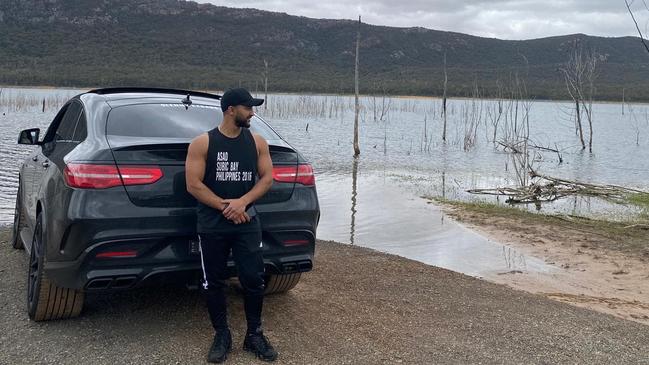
pixel 221 345
pixel 259 345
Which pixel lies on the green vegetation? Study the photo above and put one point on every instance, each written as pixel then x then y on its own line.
pixel 170 43
pixel 641 200
pixel 629 237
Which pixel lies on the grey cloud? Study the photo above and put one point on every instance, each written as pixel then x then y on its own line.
pixel 506 19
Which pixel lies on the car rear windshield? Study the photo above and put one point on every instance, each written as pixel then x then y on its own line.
pixel 172 121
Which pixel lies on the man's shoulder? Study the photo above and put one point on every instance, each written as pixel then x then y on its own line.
pixel 201 141
pixel 257 136
pixel 202 137
pixel 259 140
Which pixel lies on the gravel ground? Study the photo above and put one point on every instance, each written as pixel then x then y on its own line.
pixel 357 307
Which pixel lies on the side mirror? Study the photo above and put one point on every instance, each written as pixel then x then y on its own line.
pixel 29 136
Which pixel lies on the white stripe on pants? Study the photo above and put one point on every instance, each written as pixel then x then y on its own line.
pixel 200 249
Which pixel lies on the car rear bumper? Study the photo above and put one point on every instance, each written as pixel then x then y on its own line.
pixel 106 223
pixel 170 257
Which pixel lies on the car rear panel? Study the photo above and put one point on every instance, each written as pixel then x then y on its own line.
pixel 158 220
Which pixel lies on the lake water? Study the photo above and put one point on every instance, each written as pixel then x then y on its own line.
pixel 403 158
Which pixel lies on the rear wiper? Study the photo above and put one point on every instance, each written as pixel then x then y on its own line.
pixel 186 102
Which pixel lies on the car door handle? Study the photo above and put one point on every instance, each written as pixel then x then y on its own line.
pixel 46 164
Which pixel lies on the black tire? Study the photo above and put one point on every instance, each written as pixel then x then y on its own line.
pixel 19 219
pixel 45 300
pixel 281 283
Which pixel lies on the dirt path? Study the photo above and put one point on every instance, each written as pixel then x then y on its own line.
pixel 600 268
pixel 357 307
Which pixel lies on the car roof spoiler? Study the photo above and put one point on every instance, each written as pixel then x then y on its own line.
pixel 122 90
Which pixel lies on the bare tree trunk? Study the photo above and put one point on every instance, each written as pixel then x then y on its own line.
pixel 579 74
pixel 590 126
pixel 444 100
pixel 353 222
pixel 579 126
pixel 590 66
pixel 357 150
pixel 265 84
pixel 644 43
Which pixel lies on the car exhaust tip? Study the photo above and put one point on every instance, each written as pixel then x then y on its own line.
pixel 118 282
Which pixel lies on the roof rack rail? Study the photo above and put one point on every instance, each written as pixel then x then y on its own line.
pixel 119 90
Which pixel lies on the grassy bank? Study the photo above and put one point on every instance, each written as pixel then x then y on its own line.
pixel 629 237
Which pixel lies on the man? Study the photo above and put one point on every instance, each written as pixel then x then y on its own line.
pixel 221 168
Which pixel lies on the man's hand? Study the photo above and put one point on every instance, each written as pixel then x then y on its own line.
pixel 244 218
pixel 236 210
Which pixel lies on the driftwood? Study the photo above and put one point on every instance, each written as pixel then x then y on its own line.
pixel 511 146
pixel 639 226
pixel 519 147
pixel 548 189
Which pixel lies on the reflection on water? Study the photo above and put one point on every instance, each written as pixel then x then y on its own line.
pixel 513 259
pixel 444 184
pixel 390 219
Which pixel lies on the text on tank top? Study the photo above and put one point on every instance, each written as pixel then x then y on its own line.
pixel 230 172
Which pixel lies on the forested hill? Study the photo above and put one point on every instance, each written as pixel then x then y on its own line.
pixel 185 44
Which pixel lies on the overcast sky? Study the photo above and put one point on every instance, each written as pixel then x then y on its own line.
pixel 505 19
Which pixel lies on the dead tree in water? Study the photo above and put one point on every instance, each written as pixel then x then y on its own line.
pixel 265 84
pixel 472 117
pixel 495 112
pixel 444 100
pixel 357 150
pixel 383 109
pixel 579 74
pixel 628 6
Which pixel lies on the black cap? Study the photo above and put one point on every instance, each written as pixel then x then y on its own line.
pixel 238 96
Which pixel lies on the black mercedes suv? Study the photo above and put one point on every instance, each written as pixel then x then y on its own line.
pixel 102 202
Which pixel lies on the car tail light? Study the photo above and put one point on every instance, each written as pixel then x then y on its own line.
pixel 295 242
pixel 89 176
pixel 301 174
pixel 139 175
pixel 116 254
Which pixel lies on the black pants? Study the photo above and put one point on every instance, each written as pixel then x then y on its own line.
pixel 246 251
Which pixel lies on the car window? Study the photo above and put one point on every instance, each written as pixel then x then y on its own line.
pixel 172 121
pixel 65 130
pixel 81 131
pixel 49 135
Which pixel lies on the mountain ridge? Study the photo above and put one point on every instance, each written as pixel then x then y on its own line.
pixel 174 43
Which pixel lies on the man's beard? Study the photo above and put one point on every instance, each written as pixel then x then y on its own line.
pixel 242 122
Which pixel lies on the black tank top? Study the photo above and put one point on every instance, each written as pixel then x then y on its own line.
pixel 230 172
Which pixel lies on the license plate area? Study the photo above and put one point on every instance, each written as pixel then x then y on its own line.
pixel 194 248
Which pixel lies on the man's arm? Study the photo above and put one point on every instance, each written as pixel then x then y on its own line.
pixel 195 171
pixel 265 171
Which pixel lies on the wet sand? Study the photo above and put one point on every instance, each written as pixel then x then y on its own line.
pixel 593 270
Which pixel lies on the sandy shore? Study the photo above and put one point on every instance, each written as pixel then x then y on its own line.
pixel 357 306
pixel 595 269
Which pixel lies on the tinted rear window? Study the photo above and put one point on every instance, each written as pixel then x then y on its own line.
pixel 172 121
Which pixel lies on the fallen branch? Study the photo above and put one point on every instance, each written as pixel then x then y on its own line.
pixel 640 226
pixel 544 148
pixel 510 146
pixel 548 189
